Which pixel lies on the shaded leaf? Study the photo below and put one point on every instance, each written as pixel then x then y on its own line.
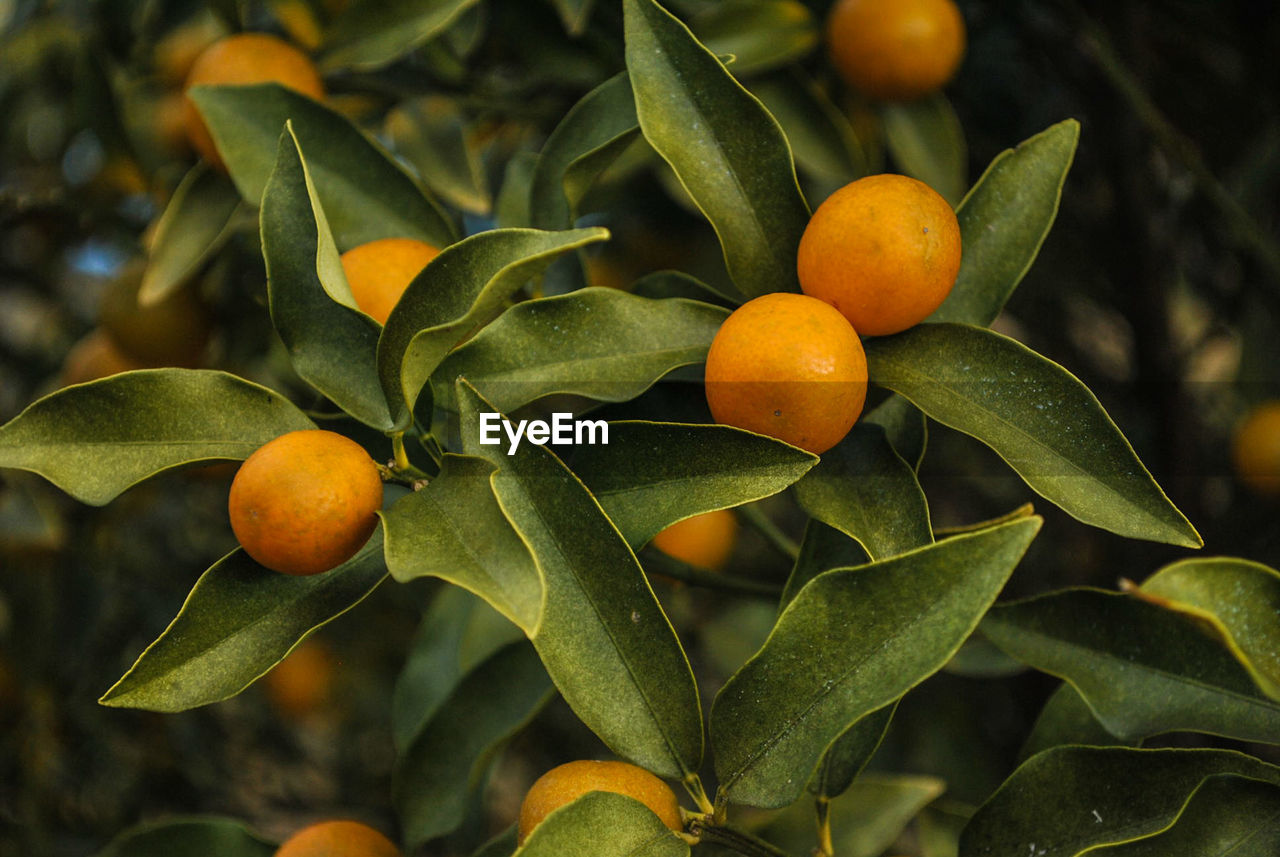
pixel 574 14
pixel 95 440
pixel 1067 719
pixel 373 33
pixel 189 836
pixel 904 426
pixel 677 284
pixel 196 222
pixel 512 207
pixel 434 664
pixel 1037 416
pixel 821 549
pixel 433 134
pixel 821 138
pixel 502 845
pixel 926 141
pixel 574 830
pixel 851 752
pixel 758 34
pixel 865 821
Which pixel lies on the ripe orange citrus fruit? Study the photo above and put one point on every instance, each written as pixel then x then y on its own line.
pixel 244 59
pixel 379 272
pixel 896 50
pixel 1255 449
pixel 173 332
pixel 884 250
pixel 301 683
pixel 788 366
pixel 570 781
pixel 338 839
pixel 705 541
pixel 305 502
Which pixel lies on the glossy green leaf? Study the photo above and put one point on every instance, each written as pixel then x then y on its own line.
pixel 1142 669
pixel 574 14
pixel 601 343
pixel 846 758
pixel 365 193
pixel 95 440
pixel 602 635
pixel 821 138
pixel 1238 599
pixel 434 135
pixel 1003 221
pixel 591 135
pixel 575 830
pixel 1070 800
pixel 863 488
pixel 189 836
pixel 239 621
pixel 728 152
pixel 332 345
pixel 865 821
pixel 822 548
pixel 927 143
pixel 1038 417
pixel 434 662
pixel 454 529
pixel 1067 719
pixel 758 34
pixel 460 290
pixel 196 222
pixel 447 760
pixel 373 33
pixel 651 475
pixel 852 641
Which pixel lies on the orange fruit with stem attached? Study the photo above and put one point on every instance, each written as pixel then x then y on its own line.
pixel 338 839
pixel 240 60
pixel 884 250
pixel 788 366
pixel 570 781
pixel 305 502
pixel 705 540
pixel 896 50
pixel 1255 449
pixel 379 272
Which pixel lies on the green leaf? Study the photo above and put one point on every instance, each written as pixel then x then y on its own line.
pixel 366 194
pixel 189 836
pixel 588 139
pixel 602 635
pixel 454 529
pixel 926 141
pixel 239 621
pixel 1003 221
pixel 574 14
pixel 1227 816
pixel 1238 599
pixel 852 641
pixel 865 821
pixel 1038 417
pixel 1067 719
pixel 601 343
pixel 434 663
pixel 196 222
pixel 1142 669
pixel 823 141
pixel 95 440
pixel 434 135
pixel 846 758
pixel 462 289
pixel 502 845
pixel 1069 800
pixel 822 548
pixel 728 152
pixel 863 488
pixel 651 475
pixel 574 830
pixel 447 760
pixel 512 207
pixel 677 284
pixel 373 33
pixel 332 345
pixel 904 426
pixel 758 34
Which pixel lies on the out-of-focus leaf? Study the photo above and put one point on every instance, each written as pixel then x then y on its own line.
pixel 1067 719
pixel 95 440
pixel 677 284
pixel 821 138
pixel 196 222
pixel 981 658
pixel 574 14
pixel 1003 221
pixel 846 758
pixel 434 663
pixel 433 134
pixel 189 836
pixel 502 845
pixel 865 820
pixel 1037 416
pixel 373 33
pixel 758 34
pixel 926 141
pixel 849 643
pixel 512 207
pixel 728 152
pixel 239 621
pixel 578 829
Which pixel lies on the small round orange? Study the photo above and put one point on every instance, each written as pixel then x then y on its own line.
pixel 896 50
pixel 788 366
pixel 570 781
pixel 302 683
pixel 338 839
pixel 172 332
pixel 705 540
pixel 884 250
pixel 240 60
pixel 1255 449
pixel 379 272
pixel 305 502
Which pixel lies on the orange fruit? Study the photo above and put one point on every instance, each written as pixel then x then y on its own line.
pixel 173 332
pixel 95 356
pixel 179 48
pixel 338 839
pixel 302 683
pixel 305 502
pixel 1255 449
pixel 379 272
pixel 884 250
pixel 570 781
pixel 240 60
pixel 896 50
pixel 788 366
pixel 704 540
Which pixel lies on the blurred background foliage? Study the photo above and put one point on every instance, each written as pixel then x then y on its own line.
pixel 1159 287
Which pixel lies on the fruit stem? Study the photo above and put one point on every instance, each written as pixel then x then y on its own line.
pixel 737 840
pixel 767 528
pixel 693 785
pixel 397 447
pixel 660 563
pixel 823 807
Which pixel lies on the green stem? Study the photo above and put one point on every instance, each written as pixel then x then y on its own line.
pixel 693 785
pixel 823 807
pixel 777 538
pixel 660 563
pixel 737 840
